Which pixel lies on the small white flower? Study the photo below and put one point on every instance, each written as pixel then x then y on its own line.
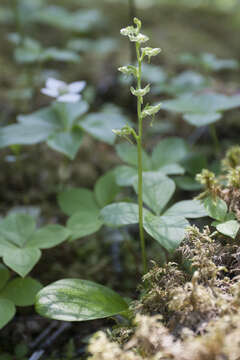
pixel 63 92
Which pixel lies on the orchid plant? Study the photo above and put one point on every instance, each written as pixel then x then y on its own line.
pixel 80 300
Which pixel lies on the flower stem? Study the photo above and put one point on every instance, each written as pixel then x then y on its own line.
pixel 140 166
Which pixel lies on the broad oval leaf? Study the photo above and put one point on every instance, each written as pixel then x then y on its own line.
pixel 75 200
pixel 157 190
pixel 169 231
pixel 21 292
pixel 7 311
pixel 84 223
pixel 229 228
pixel 121 213
pixel 169 151
pixel 188 208
pixel 78 300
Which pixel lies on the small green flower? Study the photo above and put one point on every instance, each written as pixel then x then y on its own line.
pixel 140 92
pixel 148 51
pixel 129 70
pixel 150 110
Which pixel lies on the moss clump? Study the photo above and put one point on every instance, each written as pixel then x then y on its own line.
pixel 189 309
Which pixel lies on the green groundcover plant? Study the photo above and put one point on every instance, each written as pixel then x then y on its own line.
pixel 78 300
pixel 20 248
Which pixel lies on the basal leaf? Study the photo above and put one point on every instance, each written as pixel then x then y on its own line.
pixel 78 300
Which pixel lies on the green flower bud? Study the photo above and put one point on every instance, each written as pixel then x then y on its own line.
pixel 140 92
pixel 138 23
pixel 125 132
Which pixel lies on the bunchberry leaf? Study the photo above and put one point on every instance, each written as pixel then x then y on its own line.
pixel 84 223
pixel 229 228
pixel 187 208
pixel 21 292
pixel 48 236
pixel 100 125
pixel 157 190
pixel 125 175
pixel 7 311
pixel 4 276
pixel 67 143
pixel 75 200
pixel 168 151
pixel 120 214
pixel 128 153
pixel 106 189
pixel 21 260
pixel 169 231
pixel 187 183
pixel 20 242
pixel 216 208
pixel 202 119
